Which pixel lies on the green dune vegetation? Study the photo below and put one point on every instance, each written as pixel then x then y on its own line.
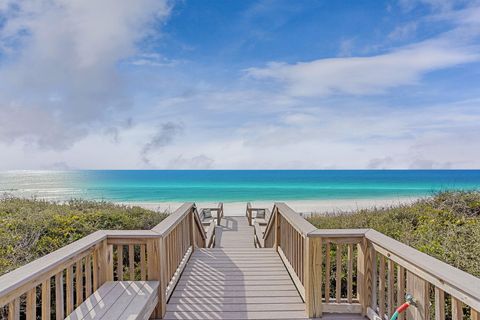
pixel 445 226
pixel 32 228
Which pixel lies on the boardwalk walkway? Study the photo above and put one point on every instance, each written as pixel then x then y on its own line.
pixel 234 232
pixel 235 283
pixel 235 280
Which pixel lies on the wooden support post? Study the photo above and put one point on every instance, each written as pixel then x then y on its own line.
pixel 155 269
pixel 192 229
pixel 105 263
pixel 475 315
pixel 14 309
pixel 313 277
pixel 401 289
pixel 439 304
pixel 457 309
pixel 31 304
pixel 277 230
pixel 364 275
pixel 59 296
pixel 418 287
pixel 46 299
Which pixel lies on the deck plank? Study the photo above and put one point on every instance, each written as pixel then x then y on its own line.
pixel 235 280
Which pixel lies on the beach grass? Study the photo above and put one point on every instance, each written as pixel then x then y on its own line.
pixel 445 226
pixel 31 228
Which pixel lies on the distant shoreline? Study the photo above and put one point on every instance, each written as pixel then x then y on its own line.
pixel 302 206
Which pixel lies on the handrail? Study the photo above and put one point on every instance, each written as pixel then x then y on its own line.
pixel 82 266
pixel 104 256
pixel 456 282
pixel 32 274
pixel 172 219
pixel 297 221
pixel 385 270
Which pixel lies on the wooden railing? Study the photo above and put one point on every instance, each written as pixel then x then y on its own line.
pixel 287 232
pixel 362 271
pixel 251 210
pixel 54 285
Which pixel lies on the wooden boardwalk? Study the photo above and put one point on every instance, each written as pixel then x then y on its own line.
pixel 234 280
pixel 234 232
pixel 235 283
pixel 113 272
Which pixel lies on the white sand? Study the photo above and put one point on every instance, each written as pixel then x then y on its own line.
pixel 301 206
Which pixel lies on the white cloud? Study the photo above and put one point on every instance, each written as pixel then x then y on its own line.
pixel 59 78
pixel 404 31
pixel 365 75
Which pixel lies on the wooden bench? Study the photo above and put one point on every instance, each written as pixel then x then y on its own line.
pixel 262 216
pixel 119 300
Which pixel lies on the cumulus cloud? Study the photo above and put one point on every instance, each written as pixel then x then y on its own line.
pixel 59 77
pixel 164 136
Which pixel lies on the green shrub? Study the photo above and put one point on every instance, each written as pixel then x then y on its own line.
pixel 32 228
pixel 445 226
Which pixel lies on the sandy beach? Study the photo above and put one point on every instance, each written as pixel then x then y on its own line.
pixel 301 206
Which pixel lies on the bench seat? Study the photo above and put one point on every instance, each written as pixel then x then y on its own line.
pixel 119 300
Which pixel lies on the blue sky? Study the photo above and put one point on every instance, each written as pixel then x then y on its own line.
pixel 239 84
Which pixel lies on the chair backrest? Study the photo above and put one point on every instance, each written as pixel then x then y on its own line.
pixel 207 213
pixel 260 214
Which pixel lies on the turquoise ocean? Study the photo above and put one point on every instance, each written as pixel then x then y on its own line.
pixel 233 185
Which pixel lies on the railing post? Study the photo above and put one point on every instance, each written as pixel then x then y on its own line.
pixel 364 275
pixel 105 263
pixel 155 271
pixel 313 276
pixel 277 230
pixel 219 213
pixel 418 287
pixel 192 228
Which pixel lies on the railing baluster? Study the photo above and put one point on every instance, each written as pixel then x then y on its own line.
pixel 69 289
pixel 31 304
pixel 46 299
pixel 338 276
pixel 457 310
pixel 374 297
pixel 391 287
pixel 95 267
pixel 439 304
pixel 143 269
pixel 350 273
pixel 59 297
pixel 475 315
pixel 401 289
pixel 14 309
pixel 327 273
pixel 131 262
pixel 381 289
pixel 79 283
pixel 88 276
pixel 120 262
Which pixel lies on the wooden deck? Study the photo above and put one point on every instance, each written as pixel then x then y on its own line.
pixel 235 283
pixel 234 280
pixel 234 232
